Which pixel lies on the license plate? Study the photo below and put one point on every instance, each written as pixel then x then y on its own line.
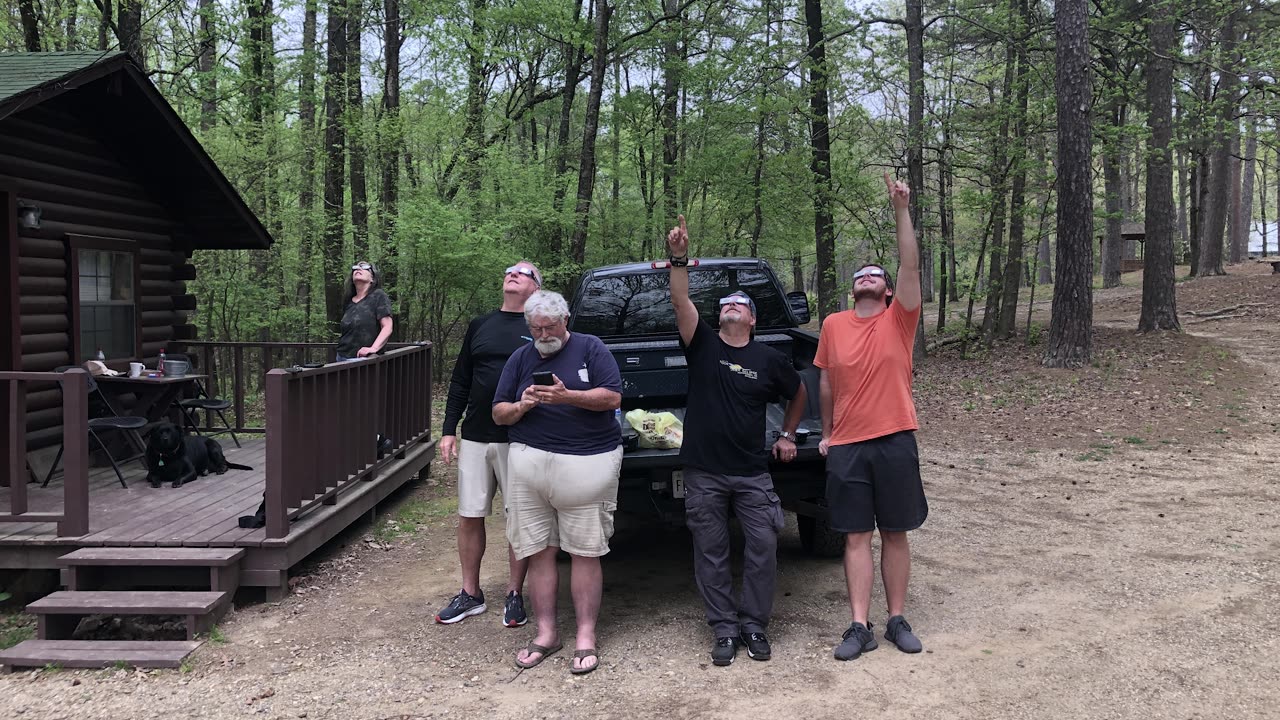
pixel 677 483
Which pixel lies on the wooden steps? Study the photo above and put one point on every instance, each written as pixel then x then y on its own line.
pixel 89 568
pixel 214 574
pixel 60 612
pixel 128 602
pixel 152 556
pixel 98 653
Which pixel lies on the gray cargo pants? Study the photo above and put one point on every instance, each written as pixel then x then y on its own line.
pixel 706 503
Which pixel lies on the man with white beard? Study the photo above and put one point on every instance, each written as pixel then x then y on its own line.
pixel 558 395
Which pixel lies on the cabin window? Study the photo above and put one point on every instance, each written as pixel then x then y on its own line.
pixel 108 319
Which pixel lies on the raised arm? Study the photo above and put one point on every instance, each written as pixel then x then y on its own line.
pixel 678 252
pixel 907 292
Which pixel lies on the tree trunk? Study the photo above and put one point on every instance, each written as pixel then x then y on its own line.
pixel 355 129
pixel 473 127
pixel 1235 228
pixel 307 163
pixel 30 16
pixel 104 24
pixel 1184 232
pixel 1071 327
pixel 1262 197
pixel 672 71
pixel 1007 321
pixel 954 294
pixel 206 70
pixel 1159 306
pixel 392 140
pixel 915 138
pixel 999 199
pixel 757 174
pixel 1112 241
pixel 820 161
pixel 573 57
pixel 73 17
pixel 587 162
pixel 944 222
pixel 1219 174
pixel 129 30
pixel 335 141
pixel 1246 191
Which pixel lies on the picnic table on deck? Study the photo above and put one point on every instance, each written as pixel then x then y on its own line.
pixel 153 395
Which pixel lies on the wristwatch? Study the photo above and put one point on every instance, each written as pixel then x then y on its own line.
pixel 682 261
pixel 788 435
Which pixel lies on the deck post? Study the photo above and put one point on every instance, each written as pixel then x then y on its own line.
pixel 14 430
pixel 75 457
pixel 278 411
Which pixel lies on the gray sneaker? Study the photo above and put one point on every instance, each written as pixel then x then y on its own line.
pixel 461 607
pixel 898 632
pixel 513 614
pixel 857 640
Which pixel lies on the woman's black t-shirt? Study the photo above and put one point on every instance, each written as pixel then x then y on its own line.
pixel 361 322
pixel 729 390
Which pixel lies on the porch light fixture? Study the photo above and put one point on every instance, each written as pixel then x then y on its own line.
pixel 29 216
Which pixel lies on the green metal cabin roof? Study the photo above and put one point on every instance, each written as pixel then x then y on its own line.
pixel 24 72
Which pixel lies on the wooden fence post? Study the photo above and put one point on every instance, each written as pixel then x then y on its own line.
pixel 277 382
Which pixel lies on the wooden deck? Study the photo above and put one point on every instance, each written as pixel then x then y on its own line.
pixel 200 514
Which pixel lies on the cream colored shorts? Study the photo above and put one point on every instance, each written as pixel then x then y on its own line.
pixel 564 501
pixel 482 469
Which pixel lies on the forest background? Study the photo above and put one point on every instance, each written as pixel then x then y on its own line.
pixel 444 139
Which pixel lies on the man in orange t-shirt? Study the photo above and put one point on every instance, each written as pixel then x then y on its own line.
pixel 868 433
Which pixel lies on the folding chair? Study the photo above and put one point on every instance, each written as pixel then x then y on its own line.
pixel 125 424
pixel 190 407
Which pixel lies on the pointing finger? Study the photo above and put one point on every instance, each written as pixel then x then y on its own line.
pixel 887 182
pixel 683 227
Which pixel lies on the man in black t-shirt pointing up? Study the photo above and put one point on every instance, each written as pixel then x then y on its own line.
pixel 732 379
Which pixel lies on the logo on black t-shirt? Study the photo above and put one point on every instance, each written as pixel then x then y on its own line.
pixel 744 372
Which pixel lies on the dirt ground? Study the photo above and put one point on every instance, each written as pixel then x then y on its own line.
pixel 1102 543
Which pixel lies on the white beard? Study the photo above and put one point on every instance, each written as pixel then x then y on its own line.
pixel 548 346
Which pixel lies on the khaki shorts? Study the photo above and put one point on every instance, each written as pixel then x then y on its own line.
pixel 564 501
pixel 482 469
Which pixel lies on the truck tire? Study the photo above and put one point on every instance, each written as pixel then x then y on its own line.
pixel 818 539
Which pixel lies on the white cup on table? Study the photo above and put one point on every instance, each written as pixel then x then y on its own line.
pixel 135 369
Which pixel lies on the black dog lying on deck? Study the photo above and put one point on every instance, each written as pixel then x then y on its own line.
pixel 178 459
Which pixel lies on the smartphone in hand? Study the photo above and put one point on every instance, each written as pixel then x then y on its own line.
pixel 543 378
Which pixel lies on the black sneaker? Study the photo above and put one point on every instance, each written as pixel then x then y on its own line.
pixel 461 607
pixel 724 651
pixel 898 632
pixel 757 645
pixel 857 640
pixel 513 612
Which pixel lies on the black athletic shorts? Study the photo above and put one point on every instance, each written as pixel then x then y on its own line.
pixel 876 483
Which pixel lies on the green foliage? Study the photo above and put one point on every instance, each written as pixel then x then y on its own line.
pixel 465 210
pixel 16 627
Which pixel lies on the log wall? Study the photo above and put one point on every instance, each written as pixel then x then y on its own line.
pixel 57 162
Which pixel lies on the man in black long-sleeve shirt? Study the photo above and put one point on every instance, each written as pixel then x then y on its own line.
pixel 482 453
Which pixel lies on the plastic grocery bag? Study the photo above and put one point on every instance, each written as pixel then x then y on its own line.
pixel 660 430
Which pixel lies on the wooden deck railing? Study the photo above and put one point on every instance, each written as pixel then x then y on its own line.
pixel 322 427
pixel 237 371
pixel 74 518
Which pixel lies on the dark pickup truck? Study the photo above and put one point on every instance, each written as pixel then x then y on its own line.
pixel 629 308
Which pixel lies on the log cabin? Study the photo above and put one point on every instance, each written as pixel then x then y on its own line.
pixel 105 194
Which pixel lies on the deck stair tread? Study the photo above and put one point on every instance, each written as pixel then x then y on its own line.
pixel 128 602
pixel 153 556
pixel 98 653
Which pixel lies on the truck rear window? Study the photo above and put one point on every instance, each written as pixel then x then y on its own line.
pixel 640 304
